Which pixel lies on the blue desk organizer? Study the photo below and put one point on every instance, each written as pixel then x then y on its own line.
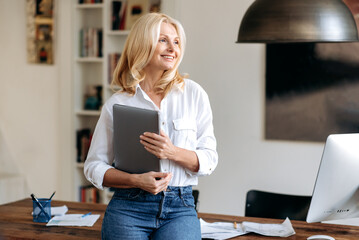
pixel 41 214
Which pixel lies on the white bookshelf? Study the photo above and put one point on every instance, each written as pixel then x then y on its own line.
pixel 87 72
pixel 89 60
pixel 90 6
pixel 90 71
pixel 88 113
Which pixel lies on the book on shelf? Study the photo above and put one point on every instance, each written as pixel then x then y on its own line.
pixel 83 140
pixel 90 42
pixel 89 194
pixel 118 13
pixel 112 63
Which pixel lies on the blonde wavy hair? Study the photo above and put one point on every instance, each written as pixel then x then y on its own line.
pixel 138 51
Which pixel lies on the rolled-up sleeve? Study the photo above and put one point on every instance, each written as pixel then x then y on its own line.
pixel 206 141
pixel 100 156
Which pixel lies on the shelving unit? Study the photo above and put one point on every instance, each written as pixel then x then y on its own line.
pixel 93 71
pixel 89 72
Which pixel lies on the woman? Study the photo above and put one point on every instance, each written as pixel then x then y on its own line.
pixel 156 205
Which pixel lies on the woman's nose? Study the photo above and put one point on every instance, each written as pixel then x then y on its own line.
pixel 170 47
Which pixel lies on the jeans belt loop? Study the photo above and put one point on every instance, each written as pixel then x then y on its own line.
pixel 181 191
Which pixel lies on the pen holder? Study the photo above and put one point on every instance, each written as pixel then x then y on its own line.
pixel 41 210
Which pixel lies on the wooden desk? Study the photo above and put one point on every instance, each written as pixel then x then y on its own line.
pixel 16 223
pixel 303 229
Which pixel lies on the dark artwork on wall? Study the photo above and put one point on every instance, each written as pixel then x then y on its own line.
pixel 312 90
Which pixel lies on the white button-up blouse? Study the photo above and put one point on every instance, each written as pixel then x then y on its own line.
pixel 186 117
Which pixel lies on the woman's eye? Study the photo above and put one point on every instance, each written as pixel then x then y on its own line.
pixel 176 42
pixel 162 40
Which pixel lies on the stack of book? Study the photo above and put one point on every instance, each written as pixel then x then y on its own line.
pixel 118 15
pixel 89 194
pixel 90 44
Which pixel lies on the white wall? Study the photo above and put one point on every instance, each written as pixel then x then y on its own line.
pixel 30 106
pixel 39 138
pixel 233 76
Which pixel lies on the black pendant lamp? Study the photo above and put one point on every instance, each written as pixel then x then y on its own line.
pixel 290 21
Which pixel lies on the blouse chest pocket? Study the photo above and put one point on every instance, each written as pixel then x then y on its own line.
pixel 185 133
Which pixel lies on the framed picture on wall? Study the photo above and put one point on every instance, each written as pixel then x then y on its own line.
pixel 40 31
pixel 311 90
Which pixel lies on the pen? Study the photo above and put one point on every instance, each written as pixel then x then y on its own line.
pixel 52 196
pixel 86 214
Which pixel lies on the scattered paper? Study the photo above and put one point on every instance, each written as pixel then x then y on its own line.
pixel 225 230
pixel 59 211
pixel 220 230
pixel 275 230
pixel 74 220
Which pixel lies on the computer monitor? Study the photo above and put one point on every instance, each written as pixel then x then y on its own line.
pixel 336 191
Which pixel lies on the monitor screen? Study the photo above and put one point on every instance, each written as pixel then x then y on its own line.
pixel 336 191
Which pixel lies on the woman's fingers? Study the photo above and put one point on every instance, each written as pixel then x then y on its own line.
pixel 151 138
pixel 154 186
pixel 159 145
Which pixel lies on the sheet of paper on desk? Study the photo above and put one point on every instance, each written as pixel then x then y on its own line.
pixel 74 220
pixel 58 211
pixel 220 230
pixel 275 230
pixel 225 230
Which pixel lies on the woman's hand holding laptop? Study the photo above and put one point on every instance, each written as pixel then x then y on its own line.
pixel 148 181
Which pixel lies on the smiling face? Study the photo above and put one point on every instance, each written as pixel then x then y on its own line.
pixel 167 49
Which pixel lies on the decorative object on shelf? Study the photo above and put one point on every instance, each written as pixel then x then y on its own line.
pixel 40 31
pixel 126 12
pixel 93 98
pixel 280 21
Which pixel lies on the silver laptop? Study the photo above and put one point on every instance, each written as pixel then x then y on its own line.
pixel 129 123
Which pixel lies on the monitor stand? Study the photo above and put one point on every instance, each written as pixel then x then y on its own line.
pixel 347 221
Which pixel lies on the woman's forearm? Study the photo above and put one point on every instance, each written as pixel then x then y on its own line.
pixel 118 179
pixel 186 158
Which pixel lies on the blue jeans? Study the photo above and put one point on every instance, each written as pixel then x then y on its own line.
pixel 137 214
